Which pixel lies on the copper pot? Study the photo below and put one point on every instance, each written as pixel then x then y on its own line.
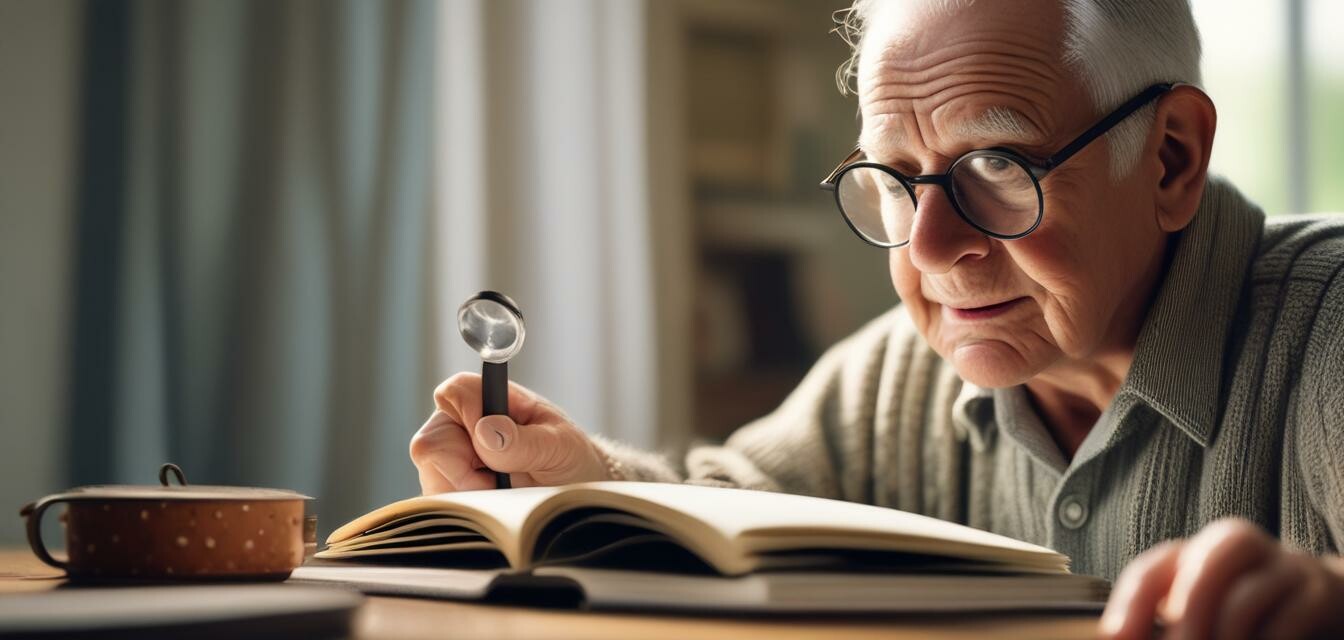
pixel 176 532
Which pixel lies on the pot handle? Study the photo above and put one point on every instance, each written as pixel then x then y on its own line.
pixel 33 512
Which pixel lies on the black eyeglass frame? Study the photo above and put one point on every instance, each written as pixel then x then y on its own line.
pixel 1036 171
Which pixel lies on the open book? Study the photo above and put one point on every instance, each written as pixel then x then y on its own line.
pixel 709 548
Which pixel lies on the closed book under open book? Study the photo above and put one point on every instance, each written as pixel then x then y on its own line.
pixel 618 545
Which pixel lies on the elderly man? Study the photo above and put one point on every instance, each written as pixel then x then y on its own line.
pixel 1100 348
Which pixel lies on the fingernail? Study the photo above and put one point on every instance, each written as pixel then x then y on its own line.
pixel 493 432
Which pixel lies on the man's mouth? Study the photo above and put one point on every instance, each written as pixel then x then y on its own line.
pixel 984 312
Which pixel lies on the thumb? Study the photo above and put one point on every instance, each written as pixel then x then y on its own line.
pixel 503 446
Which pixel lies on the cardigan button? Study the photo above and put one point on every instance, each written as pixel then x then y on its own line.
pixel 1072 512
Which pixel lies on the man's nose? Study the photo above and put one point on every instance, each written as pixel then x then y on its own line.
pixel 939 238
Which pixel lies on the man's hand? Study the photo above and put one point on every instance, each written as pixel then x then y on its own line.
pixel 458 450
pixel 1230 581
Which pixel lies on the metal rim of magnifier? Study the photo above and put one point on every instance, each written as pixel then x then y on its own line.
pixel 509 305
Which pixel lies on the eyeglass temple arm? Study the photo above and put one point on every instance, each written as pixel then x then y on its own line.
pixel 829 182
pixel 1124 111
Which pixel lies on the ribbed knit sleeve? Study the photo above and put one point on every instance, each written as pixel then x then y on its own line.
pixel 1321 413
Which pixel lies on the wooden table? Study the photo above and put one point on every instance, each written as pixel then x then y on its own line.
pixel 411 618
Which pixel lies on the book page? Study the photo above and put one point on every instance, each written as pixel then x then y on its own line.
pixel 500 514
pixel 757 521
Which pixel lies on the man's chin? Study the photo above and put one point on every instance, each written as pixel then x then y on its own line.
pixel 991 364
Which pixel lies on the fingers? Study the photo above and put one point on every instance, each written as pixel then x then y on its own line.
pixel 536 442
pixel 460 397
pixel 1209 563
pixel 431 482
pixel 1140 587
pixel 1230 581
pixel 1253 599
pixel 445 459
pixel 1311 606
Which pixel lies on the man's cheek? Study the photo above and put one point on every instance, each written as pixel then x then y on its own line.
pixel 906 280
pixel 904 276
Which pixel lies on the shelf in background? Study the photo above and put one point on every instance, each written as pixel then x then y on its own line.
pixel 760 225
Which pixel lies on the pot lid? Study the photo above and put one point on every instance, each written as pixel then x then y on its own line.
pixel 180 491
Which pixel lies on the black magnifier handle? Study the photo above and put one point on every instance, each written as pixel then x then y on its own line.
pixel 495 402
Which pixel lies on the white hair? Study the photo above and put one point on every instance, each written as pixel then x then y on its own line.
pixel 1117 48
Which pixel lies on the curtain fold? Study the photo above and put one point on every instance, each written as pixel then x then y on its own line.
pixel 251 297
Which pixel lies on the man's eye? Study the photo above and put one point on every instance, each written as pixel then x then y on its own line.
pixel 999 170
pixel 995 165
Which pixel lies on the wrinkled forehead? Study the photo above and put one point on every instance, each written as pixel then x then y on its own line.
pixel 991 70
pixel 901 29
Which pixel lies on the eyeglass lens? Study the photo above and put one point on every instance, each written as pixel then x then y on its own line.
pixel 994 192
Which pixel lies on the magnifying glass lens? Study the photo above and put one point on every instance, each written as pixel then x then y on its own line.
pixel 490 329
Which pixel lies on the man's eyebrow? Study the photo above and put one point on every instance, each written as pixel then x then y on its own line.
pixel 1000 125
pixel 886 136
pixel 994 126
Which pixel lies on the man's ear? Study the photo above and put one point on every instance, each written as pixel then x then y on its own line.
pixel 1183 133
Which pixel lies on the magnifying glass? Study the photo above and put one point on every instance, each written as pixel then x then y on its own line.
pixel 492 326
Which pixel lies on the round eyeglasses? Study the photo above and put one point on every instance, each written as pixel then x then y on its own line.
pixel 997 191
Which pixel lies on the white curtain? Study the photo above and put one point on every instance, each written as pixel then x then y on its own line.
pixel 542 193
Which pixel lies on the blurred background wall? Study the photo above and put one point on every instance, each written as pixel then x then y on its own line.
pixel 234 235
